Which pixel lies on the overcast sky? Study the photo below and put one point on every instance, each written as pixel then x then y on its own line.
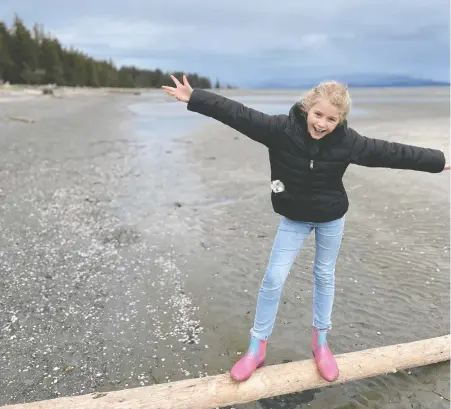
pixel 251 41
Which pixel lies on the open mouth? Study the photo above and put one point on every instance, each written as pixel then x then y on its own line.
pixel 318 130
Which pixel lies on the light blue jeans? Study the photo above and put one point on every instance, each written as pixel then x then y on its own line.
pixel 287 244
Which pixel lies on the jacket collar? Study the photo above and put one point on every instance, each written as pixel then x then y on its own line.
pixel 298 119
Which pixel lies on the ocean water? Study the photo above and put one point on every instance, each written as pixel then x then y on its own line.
pixel 165 117
pixel 157 114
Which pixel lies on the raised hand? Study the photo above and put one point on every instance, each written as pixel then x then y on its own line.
pixel 182 92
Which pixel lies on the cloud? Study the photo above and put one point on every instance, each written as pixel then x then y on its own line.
pixel 118 34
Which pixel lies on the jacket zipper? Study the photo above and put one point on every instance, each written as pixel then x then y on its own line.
pixel 311 164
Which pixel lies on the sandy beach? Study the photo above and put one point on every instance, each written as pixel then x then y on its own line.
pixel 136 235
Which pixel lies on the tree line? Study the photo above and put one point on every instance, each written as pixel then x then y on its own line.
pixel 31 56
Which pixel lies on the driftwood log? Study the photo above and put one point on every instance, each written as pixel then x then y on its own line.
pixel 21 119
pixel 219 391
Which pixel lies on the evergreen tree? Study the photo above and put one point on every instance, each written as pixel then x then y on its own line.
pixel 24 53
pixel 6 62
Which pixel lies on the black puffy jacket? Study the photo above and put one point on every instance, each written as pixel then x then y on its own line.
pixel 310 170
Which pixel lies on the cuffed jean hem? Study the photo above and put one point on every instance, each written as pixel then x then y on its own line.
pixel 259 336
pixel 321 328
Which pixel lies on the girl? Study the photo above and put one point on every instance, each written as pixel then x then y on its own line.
pixel 309 151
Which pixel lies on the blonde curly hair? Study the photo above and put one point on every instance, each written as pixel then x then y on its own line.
pixel 336 93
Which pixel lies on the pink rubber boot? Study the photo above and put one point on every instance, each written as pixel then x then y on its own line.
pixel 254 358
pixel 325 361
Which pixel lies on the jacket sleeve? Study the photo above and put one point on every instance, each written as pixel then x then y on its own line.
pixel 256 125
pixel 379 153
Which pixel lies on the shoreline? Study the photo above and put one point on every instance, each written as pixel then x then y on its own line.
pixel 367 90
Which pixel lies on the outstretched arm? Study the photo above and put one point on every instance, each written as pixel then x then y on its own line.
pixel 379 153
pixel 258 126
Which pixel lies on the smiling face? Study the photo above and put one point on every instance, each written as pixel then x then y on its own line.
pixel 322 118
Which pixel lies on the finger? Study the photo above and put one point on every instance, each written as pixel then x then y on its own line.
pixel 165 87
pixel 447 167
pixel 170 92
pixel 176 81
pixel 185 80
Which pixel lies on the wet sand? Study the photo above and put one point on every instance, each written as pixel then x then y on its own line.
pixel 135 239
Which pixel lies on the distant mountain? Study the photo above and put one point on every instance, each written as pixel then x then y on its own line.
pixel 353 80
